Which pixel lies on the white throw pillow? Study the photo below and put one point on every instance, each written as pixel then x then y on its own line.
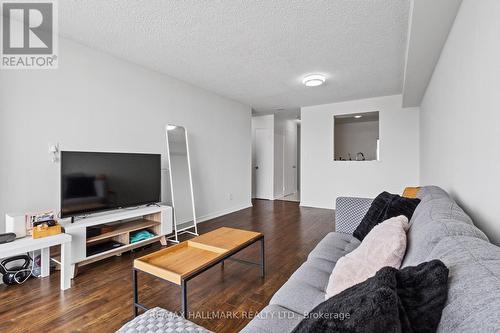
pixel 385 245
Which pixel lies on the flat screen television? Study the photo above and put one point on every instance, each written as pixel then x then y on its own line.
pixel 94 182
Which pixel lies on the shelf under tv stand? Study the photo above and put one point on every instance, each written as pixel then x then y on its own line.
pixel 121 223
pixel 122 230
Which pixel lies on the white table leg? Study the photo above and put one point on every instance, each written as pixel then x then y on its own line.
pixel 45 262
pixel 65 266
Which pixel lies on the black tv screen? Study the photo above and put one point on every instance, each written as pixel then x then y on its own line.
pixel 93 182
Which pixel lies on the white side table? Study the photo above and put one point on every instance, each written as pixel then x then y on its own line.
pixel 28 244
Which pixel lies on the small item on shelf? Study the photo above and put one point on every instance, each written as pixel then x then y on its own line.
pixel 93 231
pixel 7 238
pixel 140 235
pixel 49 223
pixel 34 219
pixel 106 228
pixel 102 247
pixel 98 230
pixel 49 228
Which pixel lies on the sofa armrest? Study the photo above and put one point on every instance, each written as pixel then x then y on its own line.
pixel 349 212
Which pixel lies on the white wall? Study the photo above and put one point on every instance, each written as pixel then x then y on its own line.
pixel 459 115
pixel 99 103
pixel 323 180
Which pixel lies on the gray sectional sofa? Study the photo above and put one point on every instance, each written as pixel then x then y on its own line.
pixel 439 229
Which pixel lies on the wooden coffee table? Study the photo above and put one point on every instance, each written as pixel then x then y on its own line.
pixel 180 263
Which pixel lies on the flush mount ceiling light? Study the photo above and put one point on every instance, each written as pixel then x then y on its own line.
pixel 358 116
pixel 313 80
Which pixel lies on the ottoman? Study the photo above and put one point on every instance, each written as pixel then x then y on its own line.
pixel 158 320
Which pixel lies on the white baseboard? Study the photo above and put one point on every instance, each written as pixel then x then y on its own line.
pixel 313 205
pixel 222 212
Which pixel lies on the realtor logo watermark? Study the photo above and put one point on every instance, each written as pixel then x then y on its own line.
pixel 29 34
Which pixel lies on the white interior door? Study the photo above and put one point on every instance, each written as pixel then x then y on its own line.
pixel 279 158
pixel 263 164
pixel 290 163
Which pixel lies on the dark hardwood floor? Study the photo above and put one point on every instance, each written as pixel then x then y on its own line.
pixel 100 299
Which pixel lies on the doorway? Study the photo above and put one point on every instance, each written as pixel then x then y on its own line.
pixel 275 157
pixel 262 168
pixel 289 162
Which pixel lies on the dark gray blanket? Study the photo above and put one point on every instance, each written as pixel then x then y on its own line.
pixel 407 300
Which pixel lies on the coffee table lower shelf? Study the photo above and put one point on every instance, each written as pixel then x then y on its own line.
pixel 164 263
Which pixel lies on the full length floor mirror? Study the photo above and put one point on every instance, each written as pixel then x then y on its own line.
pixel 181 182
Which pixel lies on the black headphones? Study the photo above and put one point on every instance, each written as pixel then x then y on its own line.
pixel 16 274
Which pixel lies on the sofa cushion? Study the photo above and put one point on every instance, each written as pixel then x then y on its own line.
pixel 306 287
pixel 442 208
pixel 432 221
pixel 298 296
pixel 273 319
pixel 428 193
pixel 312 275
pixel 473 304
pixel 322 264
pixel 334 246
pixel 423 237
pixel 448 209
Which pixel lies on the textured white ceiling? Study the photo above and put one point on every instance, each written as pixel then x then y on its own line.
pixel 255 52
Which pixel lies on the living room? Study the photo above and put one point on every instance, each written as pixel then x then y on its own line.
pixel 260 229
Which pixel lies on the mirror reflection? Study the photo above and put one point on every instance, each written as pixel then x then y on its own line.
pixel 180 177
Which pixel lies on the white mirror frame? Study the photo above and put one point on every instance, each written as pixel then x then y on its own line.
pixel 174 238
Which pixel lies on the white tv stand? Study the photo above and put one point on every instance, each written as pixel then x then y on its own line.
pixel 156 219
